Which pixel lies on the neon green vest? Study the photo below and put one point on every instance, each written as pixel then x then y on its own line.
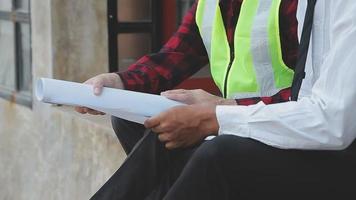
pixel 255 67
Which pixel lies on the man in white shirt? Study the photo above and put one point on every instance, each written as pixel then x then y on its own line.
pixel 231 167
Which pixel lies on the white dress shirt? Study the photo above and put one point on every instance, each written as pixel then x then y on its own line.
pixel 324 117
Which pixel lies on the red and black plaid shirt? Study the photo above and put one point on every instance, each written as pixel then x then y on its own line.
pixel 184 54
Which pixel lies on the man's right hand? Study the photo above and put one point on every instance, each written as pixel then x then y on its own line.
pixel 111 80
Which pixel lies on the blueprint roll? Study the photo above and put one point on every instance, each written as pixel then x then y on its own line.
pixel 129 105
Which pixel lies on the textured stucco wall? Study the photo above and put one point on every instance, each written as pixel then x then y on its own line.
pixel 59 155
pixel 79 38
pixel 49 152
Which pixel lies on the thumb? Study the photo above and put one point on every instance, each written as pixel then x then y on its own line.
pixel 98 87
pixel 152 122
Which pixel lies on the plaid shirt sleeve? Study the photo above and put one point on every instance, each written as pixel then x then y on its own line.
pixel 182 56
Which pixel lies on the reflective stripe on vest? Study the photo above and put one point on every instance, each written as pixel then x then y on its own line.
pixel 257 68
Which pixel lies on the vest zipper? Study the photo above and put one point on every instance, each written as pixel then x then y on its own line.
pixel 232 57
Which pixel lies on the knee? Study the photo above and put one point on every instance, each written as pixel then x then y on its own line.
pixel 211 151
pixel 118 124
pixel 122 126
pixel 126 130
pixel 128 133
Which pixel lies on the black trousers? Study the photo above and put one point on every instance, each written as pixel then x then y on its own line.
pixel 227 167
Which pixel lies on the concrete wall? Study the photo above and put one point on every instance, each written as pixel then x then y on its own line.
pixel 79 38
pixel 49 152
pixel 55 154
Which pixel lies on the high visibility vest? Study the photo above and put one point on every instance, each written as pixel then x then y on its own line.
pixel 255 67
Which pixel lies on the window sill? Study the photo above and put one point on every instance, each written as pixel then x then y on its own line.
pixel 22 98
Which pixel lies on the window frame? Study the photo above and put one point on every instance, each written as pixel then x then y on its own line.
pixel 17 95
pixel 116 27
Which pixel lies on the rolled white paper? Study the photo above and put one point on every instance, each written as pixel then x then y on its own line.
pixel 129 105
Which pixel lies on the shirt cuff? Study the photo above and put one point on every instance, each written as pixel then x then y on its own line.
pixel 233 120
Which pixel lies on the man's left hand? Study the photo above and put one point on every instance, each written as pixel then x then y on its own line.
pixel 184 126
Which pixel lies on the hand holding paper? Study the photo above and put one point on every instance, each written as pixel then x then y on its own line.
pixel 132 106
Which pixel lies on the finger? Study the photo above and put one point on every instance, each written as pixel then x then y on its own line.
pixel 80 110
pixel 172 145
pixel 176 96
pixel 161 128
pixel 181 95
pixel 177 91
pixel 164 137
pixel 98 85
pixel 156 129
pixel 95 112
pixel 85 110
pixel 152 122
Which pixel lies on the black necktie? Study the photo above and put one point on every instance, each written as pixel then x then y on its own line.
pixel 299 72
